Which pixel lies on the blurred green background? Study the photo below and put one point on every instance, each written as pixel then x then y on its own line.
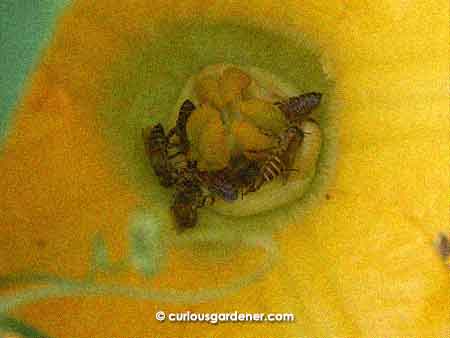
pixel 25 29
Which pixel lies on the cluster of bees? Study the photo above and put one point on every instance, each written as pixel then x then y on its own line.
pixel 169 156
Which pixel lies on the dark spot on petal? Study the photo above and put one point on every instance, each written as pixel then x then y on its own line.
pixel 40 243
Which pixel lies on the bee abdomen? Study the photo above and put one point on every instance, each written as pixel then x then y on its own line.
pixel 273 168
pixel 157 139
pixel 179 162
pixel 185 112
pixel 157 132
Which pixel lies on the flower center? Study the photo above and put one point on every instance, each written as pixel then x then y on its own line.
pixel 246 130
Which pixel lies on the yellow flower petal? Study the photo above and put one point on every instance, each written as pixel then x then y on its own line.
pixel 359 264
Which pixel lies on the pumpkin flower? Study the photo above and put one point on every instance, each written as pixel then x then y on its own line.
pixel 347 246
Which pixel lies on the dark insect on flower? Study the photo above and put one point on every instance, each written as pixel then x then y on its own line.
pixel 298 108
pixel 180 128
pixel 185 205
pixel 443 246
pixel 227 183
pixel 243 172
pixel 179 150
pixel 156 146
pixel 279 161
pixel 170 158
pixel 219 184
pixel 188 198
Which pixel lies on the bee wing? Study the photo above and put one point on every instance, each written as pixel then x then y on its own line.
pixel 299 107
pixel 259 155
pixel 146 132
pixel 289 156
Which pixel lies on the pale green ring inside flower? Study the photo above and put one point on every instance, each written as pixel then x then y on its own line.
pixel 273 194
pixel 147 83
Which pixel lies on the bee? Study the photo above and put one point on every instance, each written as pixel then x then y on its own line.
pixel 156 145
pixel 227 183
pixel 218 183
pixel 243 172
pixel 189 197
pixel 179 150
pixel 298 108
pixel 179 130
pixel 279 161
pixel 443 246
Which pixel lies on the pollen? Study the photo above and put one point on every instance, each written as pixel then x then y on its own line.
pixel 234 83
pixel 214 151
pixel 200 118
pixel 249 137
pixel 242 144
pixel 207 90
pixel 263 114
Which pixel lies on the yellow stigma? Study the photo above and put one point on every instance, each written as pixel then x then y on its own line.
pixel 235 114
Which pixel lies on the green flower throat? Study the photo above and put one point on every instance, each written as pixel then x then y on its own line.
pixel 241 140
pixel 191 62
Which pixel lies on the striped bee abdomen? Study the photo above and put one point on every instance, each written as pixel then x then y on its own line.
pixel 272 168
pixel 156 141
